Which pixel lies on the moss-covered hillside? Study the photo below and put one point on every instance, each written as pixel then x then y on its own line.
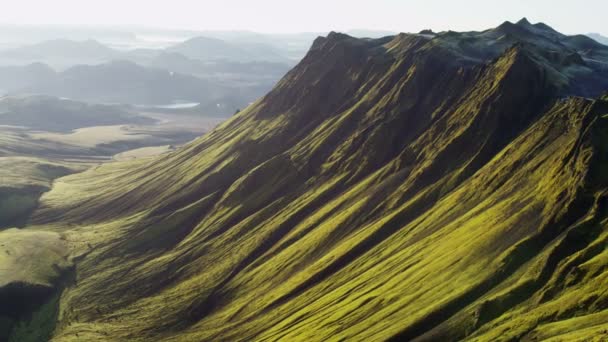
pixel 414 187
pixel 22 182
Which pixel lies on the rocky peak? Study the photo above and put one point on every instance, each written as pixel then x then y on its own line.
pixel 524 22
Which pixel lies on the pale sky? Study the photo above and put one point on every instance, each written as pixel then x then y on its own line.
pixel 568 16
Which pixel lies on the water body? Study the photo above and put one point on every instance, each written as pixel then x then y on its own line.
pixel 179 105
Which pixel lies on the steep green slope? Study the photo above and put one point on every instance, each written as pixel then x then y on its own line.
pixel 32 264
pixel 392 188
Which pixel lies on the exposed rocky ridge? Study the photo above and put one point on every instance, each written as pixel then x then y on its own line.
pixel 410 187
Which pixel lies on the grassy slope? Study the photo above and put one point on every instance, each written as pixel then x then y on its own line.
pixel 41 324
pixel 22 181
pixel 17 142
pixel 379 191
pixel 31 257
pixel 31 265
pixel 144 152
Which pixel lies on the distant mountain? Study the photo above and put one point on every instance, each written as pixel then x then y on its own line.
pixel 63 53
pixel 222 71
pixel 14 78
pixel 599 38
pixel 291 45
pixel 126 82
pixel 202 70
pixel 212 49
pixel 15 35
pixel 117 81
pixel 223 91
pixel 54 114
pixel 61 48
pixel 60 53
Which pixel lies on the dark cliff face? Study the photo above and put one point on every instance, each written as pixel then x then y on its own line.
pixel 415 186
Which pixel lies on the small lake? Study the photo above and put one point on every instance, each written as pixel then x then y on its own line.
pixel 181 105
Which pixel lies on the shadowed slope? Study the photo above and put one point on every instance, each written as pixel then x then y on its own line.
pixel 385 188
pixel 22 181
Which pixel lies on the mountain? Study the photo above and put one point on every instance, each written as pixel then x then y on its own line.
pixel 60 53
pixel 19 77
pixel 249 69
pixel 222 71
pixel 431 187
pixel 64 53
pixel 16 35
pixel 576 65
pixel 212 49
pixel 90 71
pixel 130 83
pixel 599 38
pixel 53 114
pixel 126 82
pixel 61 48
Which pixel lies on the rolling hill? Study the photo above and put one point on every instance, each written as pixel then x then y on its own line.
pixel 13 78
pixel 48 113
pixel 22 181
pixel 126 82
pixel 432 187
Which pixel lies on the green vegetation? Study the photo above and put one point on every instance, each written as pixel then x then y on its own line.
pixel 22 182
pixel 40 326
pixel 32 257
pixel 406 188
pixel 33 266
pixel 15 207
pixel 144 152
pixel 6 326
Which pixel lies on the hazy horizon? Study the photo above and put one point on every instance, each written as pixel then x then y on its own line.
pixel 273 16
